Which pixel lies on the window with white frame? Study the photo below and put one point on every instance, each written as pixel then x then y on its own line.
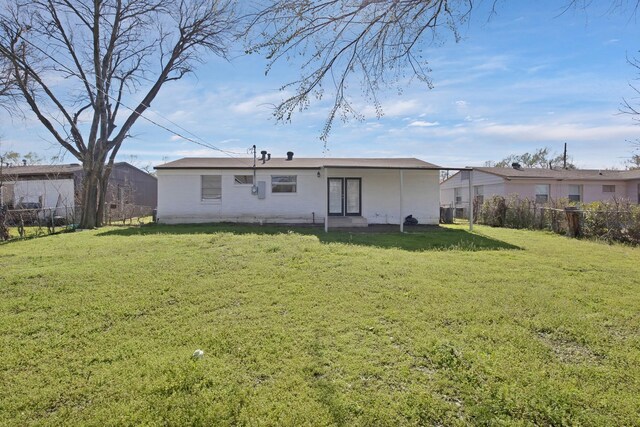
pixel 211 188
pixel 478 193
pixel 243 179
pixel 284 184
pixel 457 193
pixel 542 193
pixel 575 193
pixel 464 175
pixel 608 188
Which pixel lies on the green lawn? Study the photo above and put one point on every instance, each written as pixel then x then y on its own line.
pixel 500 327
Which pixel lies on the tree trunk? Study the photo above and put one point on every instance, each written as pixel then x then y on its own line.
pixel 102 197
pixel 90 197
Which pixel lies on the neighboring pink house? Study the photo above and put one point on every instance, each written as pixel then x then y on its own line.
pixel 579 185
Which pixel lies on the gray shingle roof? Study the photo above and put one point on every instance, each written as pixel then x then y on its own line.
pixel 569 174
pixel 296 163
pixel 42 170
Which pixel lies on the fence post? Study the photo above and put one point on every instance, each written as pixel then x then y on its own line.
pixel 573 221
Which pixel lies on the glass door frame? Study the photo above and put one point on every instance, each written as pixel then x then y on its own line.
pixel 344 187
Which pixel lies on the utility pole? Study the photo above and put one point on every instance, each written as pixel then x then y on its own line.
pixel 564 157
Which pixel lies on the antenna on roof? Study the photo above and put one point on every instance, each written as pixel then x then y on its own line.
pixel 254 187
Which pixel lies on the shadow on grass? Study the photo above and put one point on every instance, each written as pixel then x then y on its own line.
pixel 420 239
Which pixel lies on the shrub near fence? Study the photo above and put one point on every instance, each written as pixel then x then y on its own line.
pixel 616 220
pixel 514 212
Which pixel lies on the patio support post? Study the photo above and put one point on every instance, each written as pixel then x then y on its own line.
pixel 401 191
pixel 471 200
pixel 326 200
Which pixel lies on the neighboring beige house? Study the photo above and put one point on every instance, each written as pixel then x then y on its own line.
pixel 579 185
pixel 339 192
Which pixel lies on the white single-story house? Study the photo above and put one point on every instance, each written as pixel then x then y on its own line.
pixel 336 192
pixel 542 185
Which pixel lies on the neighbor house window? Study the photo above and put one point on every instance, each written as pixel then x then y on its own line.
pixel 575 193
pixel 243 179
pixel 608 188
pixel 464 175
pixel 211 187
pixel 457 192
pixel 478 193
pixel 284 183
pixel 542 193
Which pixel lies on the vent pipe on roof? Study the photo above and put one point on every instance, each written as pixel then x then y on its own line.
pixel 516 165
pixel 264 156
pixel 268 156
pixel 24 162
pixel 289 155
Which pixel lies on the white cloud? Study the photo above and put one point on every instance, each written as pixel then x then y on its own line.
pixel 395 108
pixel 259 103
pixel 423 124
pixel 557 132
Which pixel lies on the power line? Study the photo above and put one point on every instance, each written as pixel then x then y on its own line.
pixel 202 141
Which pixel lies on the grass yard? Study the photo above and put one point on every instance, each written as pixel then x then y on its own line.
pixel 499 327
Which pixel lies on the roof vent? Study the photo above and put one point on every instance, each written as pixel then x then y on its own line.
pixel 289 155
pixel 24 162
pixel 264 156
pixel 516 165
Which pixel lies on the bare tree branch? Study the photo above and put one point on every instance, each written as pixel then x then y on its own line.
pixel 373 41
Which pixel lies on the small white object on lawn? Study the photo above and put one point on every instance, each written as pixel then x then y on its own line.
pixel 198 354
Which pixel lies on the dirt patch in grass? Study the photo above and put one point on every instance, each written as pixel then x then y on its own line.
pixel 568 350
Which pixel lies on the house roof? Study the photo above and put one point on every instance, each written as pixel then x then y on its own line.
pixel 42 170
pixel 50 171
pixel 562 174
pixel 296 163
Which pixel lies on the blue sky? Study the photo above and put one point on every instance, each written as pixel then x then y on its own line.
pixel 528 77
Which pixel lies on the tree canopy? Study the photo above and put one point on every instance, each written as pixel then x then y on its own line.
pixel 540 158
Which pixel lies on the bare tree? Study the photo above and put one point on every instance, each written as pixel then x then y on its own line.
pixel 631 106
pixel 8 89
pixel 75 62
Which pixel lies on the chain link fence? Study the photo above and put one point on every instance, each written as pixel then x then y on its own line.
pixel 33 220
pixel 617 220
